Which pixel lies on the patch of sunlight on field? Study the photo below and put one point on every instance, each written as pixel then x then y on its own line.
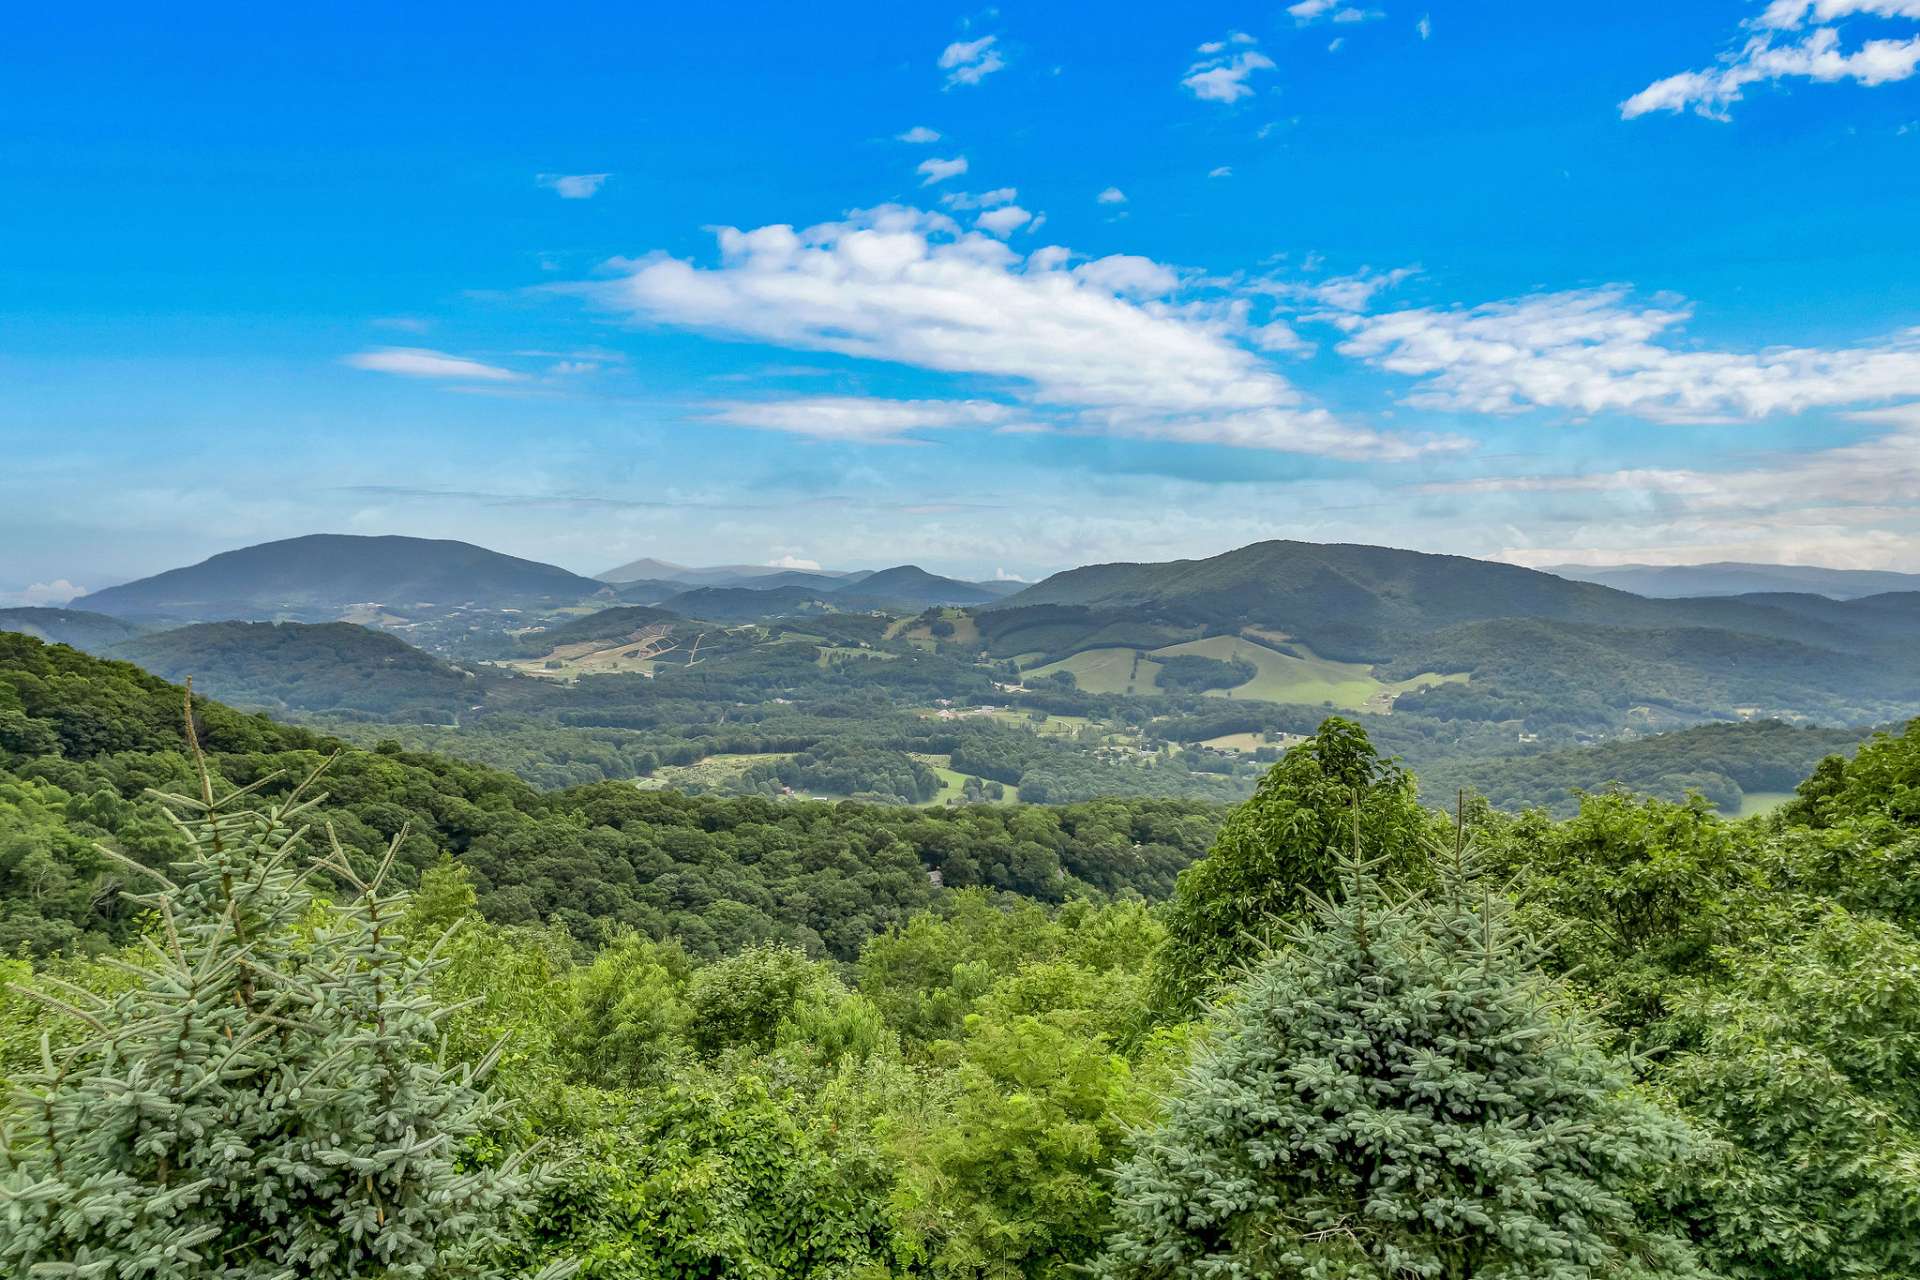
pixel 1755 803
pixel 713 771
pixel 1281 678
pixel 1105 671
pixel 953 783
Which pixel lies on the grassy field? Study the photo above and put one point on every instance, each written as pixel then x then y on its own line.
pixel 713 771
pixel 953 784
pixel 828 653
pixel 1238 742
pixel 1755 803
pixel 1105 671
pixel 1280 677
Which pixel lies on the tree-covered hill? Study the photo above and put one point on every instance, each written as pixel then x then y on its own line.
pixel 82 740
pixel 315 578
pixel 1722 762
pixel 910 587
pixel 326 668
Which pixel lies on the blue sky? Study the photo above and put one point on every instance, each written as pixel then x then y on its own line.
pixel 996 291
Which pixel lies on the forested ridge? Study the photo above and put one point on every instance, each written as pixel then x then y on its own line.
pixel 1358 1036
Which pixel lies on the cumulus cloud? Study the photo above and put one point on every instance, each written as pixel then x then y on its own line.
pixel 1222 76
pixel 971 61
pixel 1790 39
pixel 791 561
pixel 1115 345
pixel 1601 350
pixel 918 134
pixel 1112 195
pixel 43 594
pixel 1003 221
pixel 859 418
pixel 574 186
pixel 933 170
pixel 418 362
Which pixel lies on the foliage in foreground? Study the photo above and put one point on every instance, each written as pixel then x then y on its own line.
pixel 1649 1042
pixel 264 1096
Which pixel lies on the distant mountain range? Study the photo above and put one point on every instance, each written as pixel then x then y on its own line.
pixel 722 575
pixel 1736 578
pixel 321 576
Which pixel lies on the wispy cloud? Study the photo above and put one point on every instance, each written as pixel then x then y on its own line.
pixel 1601 351
pixel 979 200
pixel 1307 12
pixel 971 61
pixel 932 170
pixel 1222 74
pixel 858 418
pixel 918 134
pixel 1112 195
pixel 418 362
pixel 574 186
pixel 1775 49
pixel 1114 345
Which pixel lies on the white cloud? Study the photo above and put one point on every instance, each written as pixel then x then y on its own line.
pixel 418 362
pixel 791 561
pixel 1307 12
pixel 1598 350
pixel 1223 77
pixel 1424 26
pixel 970 61
pixel 1222 171
pixel 918 134
pixel 1772 52
pixel 1333 45
pixel 574 186
pixel 1003 221
pixel 1112 195
pixel 858 418
pixel 1001 575
pixel 933 170
pixel 43 594
pixel 1114 346
pixel 982 200
pixel 1856 504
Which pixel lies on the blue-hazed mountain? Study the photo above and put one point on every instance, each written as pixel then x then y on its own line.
pixel 911 586
pixel 321 576
pixel 89 632
pixel 1736 578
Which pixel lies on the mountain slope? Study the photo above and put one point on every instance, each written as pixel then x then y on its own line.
pixel 1737 578
pixel 745 604
pixel 317 577
pixel 911 586
pixel 1350 601
pixel 91 632
pixel 315 667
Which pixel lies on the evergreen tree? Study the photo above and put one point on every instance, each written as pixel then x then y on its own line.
pixel 266 1098
pixel 1277 850
pixel 1396 1094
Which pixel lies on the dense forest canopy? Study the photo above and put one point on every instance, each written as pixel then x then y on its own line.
pixel 760 1038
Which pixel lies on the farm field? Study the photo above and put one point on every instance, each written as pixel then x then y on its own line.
pixel 953 783
pixel 711 772
pixel 1279 677
pixel 1105 671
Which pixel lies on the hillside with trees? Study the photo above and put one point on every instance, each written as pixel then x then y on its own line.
pixel 1360 1036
